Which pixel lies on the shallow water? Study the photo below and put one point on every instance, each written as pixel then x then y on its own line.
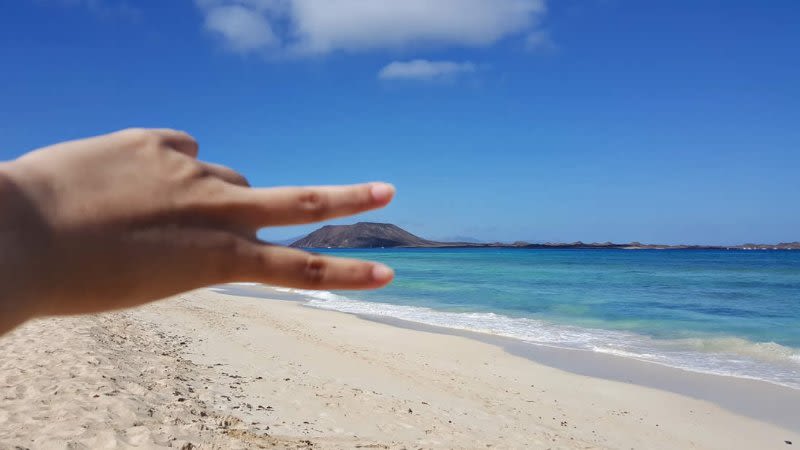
pixel 723 312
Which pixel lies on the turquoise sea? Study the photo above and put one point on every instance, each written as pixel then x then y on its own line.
pixel 723 312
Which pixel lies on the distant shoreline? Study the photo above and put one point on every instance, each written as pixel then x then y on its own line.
pixel 387 235
pixel 567 247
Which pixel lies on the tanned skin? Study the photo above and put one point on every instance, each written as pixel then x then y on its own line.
pixel 123 219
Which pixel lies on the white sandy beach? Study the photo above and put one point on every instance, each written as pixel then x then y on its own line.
pixel 211 370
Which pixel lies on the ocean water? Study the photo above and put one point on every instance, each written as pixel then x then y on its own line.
pixel 724 312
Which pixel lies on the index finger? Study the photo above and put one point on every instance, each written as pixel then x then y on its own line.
pixel 300 205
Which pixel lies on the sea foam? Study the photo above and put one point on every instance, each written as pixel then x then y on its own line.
pixel 729 356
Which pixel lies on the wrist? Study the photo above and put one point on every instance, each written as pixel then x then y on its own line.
pixel 21 240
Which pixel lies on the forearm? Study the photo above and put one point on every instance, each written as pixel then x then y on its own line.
pixel 18 231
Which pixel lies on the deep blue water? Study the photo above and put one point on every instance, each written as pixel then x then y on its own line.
pixel 726 312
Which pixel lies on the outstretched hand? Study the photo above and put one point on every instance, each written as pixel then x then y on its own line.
pixel 126 218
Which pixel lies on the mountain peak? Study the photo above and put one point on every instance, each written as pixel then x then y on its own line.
pixel 362 235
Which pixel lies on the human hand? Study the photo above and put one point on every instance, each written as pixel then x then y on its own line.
pixel 122 219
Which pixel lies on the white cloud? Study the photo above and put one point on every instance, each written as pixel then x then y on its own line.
pixel 243 29
pixel 308 27
pixel 421 69
pixel 325 25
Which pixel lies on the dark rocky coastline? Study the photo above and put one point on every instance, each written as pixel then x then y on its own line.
pixel 386 235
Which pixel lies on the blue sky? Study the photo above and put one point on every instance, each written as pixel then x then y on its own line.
pixel 659 121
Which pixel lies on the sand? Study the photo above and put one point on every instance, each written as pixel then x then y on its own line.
pixel 210 370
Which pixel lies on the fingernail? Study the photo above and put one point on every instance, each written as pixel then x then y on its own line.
pixel 382 192
pixel 382 273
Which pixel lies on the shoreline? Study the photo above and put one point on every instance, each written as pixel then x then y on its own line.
pixel 758 399
pixel 222 371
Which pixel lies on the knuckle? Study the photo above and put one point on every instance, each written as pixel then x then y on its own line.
pixel 139 134
pixel 247 261
pixel 143 139
pixel 240 179
pixel 211 196
pixel 187 137
pixel 188 140
pixel 313 204
pixel 314 270
pixel 185 172
pixel 261 262
pixel 255 262
pixel 132 132
pixel 194 170
pixel 228 174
